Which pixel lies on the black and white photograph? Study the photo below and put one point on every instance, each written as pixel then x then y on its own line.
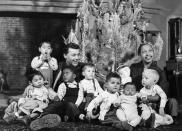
pixel 90 65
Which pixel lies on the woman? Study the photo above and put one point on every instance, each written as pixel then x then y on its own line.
pixel 146 52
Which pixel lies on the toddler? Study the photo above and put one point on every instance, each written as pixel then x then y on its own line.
pixel 127 111
pixel 150 78
pixel 105 99
pixel 89 85
pixel 70 93
pixel 35 98
pixel 45 63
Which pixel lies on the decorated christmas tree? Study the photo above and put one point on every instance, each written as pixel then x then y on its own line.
pixel 108 31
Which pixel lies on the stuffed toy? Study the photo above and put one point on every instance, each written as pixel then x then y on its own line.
pixel 124 72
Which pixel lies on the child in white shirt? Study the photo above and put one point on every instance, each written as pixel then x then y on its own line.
pixel 45 63
pixel 127 111
pixel 150 78
pixel 106 98
pixel 89 85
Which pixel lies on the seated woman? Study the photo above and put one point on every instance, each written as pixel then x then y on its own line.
pixel 146 52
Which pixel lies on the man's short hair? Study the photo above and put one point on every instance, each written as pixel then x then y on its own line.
pixel 112 75
pixel 71 45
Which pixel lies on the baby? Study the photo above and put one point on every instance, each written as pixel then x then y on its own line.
pixel 35 98
pixel 45 63
pixel 150 78
pixel 127 111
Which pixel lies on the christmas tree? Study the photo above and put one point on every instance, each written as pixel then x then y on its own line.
pixel 109 32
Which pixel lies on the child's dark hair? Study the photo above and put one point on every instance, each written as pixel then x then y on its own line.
pixel 70 45
pixel 129 83
pixel 33 73
pixel 88 65
pixel 48 42
pixel 112 75
pixel 71 68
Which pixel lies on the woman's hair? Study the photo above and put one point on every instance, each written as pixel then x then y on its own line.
pixel 141 45
pixel 112 75
pixel 34 73
pixel 70 45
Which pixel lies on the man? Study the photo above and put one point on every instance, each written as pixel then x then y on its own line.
pixel 72 57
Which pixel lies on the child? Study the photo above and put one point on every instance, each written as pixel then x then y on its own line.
pixel 106 98
pixel 89 85
pixel 127 112
pixel 35 98
pixel 70 93
pixel 45 63
pixel 150 78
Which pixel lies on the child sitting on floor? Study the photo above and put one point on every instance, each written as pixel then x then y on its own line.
pixel 45 63
pixel 35 98
pixel 105 99
pixel 127 112
pixel 150 78
pixel 89 85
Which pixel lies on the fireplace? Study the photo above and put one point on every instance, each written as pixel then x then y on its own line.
pixel 20 36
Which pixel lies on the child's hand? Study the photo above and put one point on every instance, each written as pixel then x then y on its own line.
pixel 161 111
pixel 47 84
pixel 117 102
pixel 44 57
pixel 48 57
pixel 144 100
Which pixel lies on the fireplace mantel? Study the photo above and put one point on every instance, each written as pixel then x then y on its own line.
pixel 47 6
